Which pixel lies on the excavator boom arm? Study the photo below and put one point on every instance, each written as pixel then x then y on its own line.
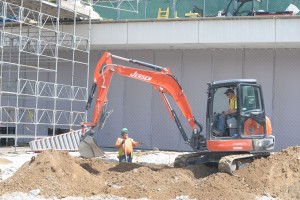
pixel 161 79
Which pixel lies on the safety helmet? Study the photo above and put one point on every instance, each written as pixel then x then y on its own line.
pixel 125 130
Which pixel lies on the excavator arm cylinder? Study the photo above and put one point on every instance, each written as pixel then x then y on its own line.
pixel 155 67
pixel 93 89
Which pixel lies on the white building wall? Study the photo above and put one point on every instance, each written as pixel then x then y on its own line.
pixel 286 98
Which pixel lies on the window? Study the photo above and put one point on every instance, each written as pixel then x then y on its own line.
pixel 221 101
pixel 251 99
pixel 251 111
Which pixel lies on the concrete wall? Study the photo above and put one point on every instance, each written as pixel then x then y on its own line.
pixel 235 32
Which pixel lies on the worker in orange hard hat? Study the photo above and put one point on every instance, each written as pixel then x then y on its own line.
pixel 125 146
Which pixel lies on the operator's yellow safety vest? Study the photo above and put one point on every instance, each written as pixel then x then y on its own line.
pixel 233 103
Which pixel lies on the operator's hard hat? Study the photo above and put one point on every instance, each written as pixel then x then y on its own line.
pixel 125 130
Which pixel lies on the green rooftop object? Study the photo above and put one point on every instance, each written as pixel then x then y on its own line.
pixel 148 9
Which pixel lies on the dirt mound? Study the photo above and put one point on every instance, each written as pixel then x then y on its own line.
pixel 54 173
pixel 59 174
pixel 277 175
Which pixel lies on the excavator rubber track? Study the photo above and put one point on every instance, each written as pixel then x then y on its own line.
pixel 231 163
pixel 227 164
pixel 187 159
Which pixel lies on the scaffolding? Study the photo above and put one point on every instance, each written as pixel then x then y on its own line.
pixel 44 69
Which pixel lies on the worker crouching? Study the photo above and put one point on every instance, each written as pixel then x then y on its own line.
pixel 125 146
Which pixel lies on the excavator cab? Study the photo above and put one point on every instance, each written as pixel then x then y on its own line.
pixel 248 123
pixel 247 135
pixel 250 106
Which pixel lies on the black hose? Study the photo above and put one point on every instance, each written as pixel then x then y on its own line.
pixel 90 99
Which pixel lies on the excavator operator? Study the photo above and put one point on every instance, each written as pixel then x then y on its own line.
pixel 220 128
pixel 125 146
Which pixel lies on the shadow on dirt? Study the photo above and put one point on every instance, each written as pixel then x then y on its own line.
pixel 89 168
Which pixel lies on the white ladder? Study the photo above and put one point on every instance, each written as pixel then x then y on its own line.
pixel 67 141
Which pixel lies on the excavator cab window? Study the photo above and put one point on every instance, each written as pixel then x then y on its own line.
pixel 251 100
pixel 252 115
pixel 220 105
pixel 248 121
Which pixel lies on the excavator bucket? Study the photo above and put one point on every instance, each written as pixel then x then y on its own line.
pixel 88 147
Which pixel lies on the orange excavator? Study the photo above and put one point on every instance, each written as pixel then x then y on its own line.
pixel 247 135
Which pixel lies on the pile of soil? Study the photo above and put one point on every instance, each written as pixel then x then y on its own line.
pixel 57 174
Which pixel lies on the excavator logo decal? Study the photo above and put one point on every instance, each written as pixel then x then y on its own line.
pixel 140 76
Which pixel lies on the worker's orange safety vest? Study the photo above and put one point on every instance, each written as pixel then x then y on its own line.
pixel 127 147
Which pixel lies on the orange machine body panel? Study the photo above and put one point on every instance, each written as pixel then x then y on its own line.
pixel 229 145
pixel 251 127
